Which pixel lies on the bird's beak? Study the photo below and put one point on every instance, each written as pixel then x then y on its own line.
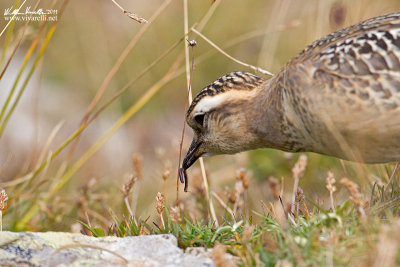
pixel 192 154
pixel 190 158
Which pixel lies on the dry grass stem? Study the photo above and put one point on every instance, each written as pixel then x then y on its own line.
pixel 46 150
pixel 165 176
pixel 301 206
pixel 5 164
pixel 126 190
pixel 87 219
pixel 160 200
pixel 127 187
pixel 280 213
pixel 241 185
pixel 256 69
pixel 208 15
pixel 3 206
pixel 138 166
pixel 241 176
pixel 238 200
pixel 142 230
pixel 300 167
pixel 223 204
pixel 189 72
pixel 189 76
pixel 247 233
pixel 391 176
pixel 265 208
pixel 231 195
pixel 96 215
pixel 270 42
pixel 135 17
pixel 355 196
pixel 274 185
pixel 175 214
pixel 298 172
pixel 330 185
pixel 209 199
pixel 130 14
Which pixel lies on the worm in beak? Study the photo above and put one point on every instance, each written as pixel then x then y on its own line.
pixel 188 161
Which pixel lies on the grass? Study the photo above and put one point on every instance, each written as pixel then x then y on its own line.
pixel 70 181
pixel 355 234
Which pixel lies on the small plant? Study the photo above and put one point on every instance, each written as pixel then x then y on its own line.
pixel 3 206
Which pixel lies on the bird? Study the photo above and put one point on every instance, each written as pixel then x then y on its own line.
pixel 340 97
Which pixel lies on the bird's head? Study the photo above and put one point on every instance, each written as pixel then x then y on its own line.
pixel 219 116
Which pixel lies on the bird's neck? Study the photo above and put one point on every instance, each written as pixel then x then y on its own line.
pixel 270 121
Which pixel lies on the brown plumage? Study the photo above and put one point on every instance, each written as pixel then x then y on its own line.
pixel 340 96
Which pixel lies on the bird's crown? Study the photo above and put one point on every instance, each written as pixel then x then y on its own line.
pixel 232 81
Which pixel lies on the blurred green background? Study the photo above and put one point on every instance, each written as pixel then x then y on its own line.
pixel 89 39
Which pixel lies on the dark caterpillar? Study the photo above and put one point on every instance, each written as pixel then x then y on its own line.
pixel 183 178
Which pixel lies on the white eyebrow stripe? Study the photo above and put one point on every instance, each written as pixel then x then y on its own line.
pixel 209 102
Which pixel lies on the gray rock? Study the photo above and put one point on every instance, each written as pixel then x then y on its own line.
pixel 66 249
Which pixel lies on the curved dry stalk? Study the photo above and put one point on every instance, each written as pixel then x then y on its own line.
pixel 87 246
pixel 256 69
pixel 391 176
pixel 223 204
pixel 130 14
pixel 189 76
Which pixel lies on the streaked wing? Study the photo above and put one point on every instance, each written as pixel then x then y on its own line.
pixel 351 80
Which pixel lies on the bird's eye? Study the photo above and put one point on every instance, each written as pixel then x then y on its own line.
pixel 199 119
